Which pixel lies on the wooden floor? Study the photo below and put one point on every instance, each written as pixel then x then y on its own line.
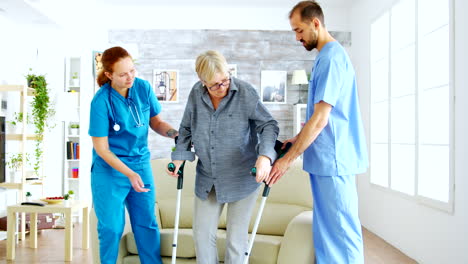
pixel 51 250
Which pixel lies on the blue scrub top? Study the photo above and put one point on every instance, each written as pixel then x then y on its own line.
pixel 130 143
pixel 340 149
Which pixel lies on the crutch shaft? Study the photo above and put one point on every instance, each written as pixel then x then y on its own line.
pixel 176 227
pixel 254 231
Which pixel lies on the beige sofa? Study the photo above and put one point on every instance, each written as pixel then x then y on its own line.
pixel 283 237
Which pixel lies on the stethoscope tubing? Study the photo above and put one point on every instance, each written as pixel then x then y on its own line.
pixel 137 120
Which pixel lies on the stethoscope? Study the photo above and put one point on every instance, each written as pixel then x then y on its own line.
pixel 137 119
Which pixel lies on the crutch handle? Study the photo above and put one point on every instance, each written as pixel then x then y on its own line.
pixel 266 189
pixel 180 180
pixel 282 152
pixel 253 171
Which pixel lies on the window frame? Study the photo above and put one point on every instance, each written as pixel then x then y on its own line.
pixel 448 206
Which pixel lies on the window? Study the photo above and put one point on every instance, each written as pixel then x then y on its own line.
pixel 412 101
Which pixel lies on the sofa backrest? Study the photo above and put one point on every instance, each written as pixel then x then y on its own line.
pixel 288 198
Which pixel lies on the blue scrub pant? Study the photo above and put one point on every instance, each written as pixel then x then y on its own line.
pixel 336 226
pixel 112 191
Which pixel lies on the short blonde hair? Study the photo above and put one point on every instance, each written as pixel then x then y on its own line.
pixel 209 63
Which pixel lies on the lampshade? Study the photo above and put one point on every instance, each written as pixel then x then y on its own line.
pixel 299 77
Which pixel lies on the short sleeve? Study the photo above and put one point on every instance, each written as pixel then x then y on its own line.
pixel 99 118
pixel 328 81
pixel 155 106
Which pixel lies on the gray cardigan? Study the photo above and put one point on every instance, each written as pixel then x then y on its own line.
pixel 227 141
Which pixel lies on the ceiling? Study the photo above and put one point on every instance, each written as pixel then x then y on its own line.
pixel 39 11
pixel 240 3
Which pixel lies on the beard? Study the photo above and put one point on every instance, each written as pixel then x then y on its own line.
pixel 312 44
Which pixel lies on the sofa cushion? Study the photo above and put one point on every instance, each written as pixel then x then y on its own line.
pixel 264 251
pixel 167 260
pixel 275 217
pixel 185 245
pixel 134 259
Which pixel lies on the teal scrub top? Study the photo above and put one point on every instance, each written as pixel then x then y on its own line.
pixel 108 108
pixel 340 149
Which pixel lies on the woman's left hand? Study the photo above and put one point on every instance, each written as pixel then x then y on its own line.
pixel 263 166
pixel 137 183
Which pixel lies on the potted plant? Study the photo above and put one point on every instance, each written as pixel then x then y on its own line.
pixel 42 111
pixel 14 163
pixel 75 81
pixel 28 197
pixel 74 129
pixel 29 77
pixel 67 197
pixel 18 120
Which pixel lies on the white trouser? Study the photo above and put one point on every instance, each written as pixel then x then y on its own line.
pixel 205 226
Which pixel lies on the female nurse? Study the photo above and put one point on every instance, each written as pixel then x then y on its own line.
pixel 121 112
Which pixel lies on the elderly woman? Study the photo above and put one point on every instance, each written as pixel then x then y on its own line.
pixel 231 131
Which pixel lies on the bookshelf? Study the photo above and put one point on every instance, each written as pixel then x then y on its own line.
pixel 71 154
pixel 299 117
pixel 17 143
pixel 71 137
pixel 19 140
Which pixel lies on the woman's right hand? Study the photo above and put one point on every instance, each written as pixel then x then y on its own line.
pixel 177 164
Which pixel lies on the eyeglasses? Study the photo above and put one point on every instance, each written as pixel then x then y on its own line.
pixel 218 86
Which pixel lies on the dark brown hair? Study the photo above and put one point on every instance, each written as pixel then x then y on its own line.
pixel 108 59
pixel 308 10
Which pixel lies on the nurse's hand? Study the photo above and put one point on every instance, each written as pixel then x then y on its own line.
pixel 177 164
pixel 137 183
pixel 279 168
pixel 263 168
pixel 291 140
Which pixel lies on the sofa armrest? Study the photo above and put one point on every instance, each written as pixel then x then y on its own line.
pixel 297 245
pixel 95 239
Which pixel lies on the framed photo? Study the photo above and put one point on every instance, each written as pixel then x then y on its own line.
pixel 232 69
pixel 165 85
pixel 97 67
pixel 273 87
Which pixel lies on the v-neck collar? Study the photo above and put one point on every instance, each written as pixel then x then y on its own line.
pixel 118 95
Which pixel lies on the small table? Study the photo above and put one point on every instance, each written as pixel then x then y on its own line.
pixel 65 208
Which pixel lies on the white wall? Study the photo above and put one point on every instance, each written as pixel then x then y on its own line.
pixel 425 234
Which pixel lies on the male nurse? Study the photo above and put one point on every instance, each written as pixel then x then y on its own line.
pixel 332 141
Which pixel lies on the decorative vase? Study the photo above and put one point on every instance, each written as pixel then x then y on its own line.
pixel 75 83
pixel 15 176
pixel 74 131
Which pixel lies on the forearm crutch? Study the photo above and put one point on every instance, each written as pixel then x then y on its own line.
pixel 180 182
pixel 266 191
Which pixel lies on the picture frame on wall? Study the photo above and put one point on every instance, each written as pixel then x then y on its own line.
pixel 232 69
pixel 165 85
pixel 273 86
pixel 97 67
